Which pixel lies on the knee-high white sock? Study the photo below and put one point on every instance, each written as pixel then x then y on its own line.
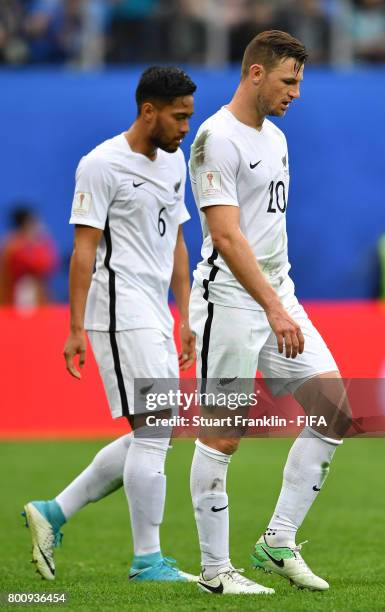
pixel 210 501
pixel 306 469
pixel 145 487
pixel 103 476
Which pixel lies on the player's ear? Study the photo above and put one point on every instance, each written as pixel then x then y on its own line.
pixel 147 111
pixel 256 73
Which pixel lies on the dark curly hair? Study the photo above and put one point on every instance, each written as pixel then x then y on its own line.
pixel 163 84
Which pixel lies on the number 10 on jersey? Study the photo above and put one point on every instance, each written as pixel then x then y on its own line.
pixel 277 197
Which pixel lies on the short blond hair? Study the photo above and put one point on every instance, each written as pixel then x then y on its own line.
pixel 271 46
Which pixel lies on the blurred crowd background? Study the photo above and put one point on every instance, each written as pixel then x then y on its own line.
pixel 88 33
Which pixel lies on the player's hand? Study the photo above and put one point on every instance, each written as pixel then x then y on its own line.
pixel 287 331
pixel 76 344
pixel 187 339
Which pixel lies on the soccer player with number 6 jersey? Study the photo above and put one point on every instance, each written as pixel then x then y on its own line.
pixel 128 211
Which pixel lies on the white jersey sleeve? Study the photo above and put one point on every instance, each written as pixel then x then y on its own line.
pixel 94 192
pixel 181 191
pixel 214 166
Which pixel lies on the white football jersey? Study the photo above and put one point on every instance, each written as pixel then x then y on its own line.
pixel 235 165
pixel 139 205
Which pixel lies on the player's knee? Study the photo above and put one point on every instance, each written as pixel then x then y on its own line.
pixel 326 397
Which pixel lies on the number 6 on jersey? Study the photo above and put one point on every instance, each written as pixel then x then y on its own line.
pixel 161 222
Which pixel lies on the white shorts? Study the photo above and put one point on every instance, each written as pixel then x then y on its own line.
pixel 132 354
pixel 235 342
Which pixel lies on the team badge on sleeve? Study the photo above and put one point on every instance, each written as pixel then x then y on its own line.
pixel 211 182
pixel 82 203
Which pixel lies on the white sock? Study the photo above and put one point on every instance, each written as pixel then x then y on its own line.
pixel 145 487
pixel 208 492
pixel 305 471
pixel 103 476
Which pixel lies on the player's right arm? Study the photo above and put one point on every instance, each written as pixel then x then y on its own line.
pixel 230 242
pixel 93 193
pixel 81 267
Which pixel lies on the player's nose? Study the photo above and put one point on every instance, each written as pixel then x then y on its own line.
pixel 295 93
pixel 185 128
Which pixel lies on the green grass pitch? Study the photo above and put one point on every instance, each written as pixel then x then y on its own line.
pixel 345 530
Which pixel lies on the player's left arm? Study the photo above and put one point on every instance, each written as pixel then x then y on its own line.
pixel 180 285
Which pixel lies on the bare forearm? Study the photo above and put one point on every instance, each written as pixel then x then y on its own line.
pixel 241 260
pixel 81 267
pixel 180 280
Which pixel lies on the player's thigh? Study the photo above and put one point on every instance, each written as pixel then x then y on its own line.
pixel 287 375
pixel 131 362
pixel 228 340
pixel 228 344
pixel 224 340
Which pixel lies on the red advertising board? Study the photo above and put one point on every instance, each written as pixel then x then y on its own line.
pixel 40 399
